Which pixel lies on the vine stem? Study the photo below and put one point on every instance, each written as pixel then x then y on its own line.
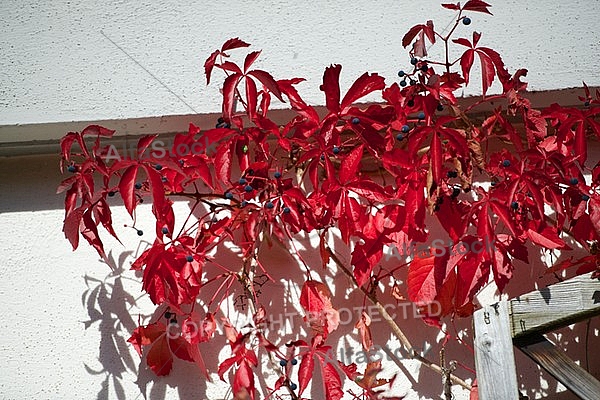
pixel 396 329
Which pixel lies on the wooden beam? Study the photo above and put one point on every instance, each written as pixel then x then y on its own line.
pixel 565 370
pixel 494 356
pixel 555 306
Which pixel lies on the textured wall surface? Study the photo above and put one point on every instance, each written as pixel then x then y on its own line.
pixel 64 316
pixel 58 63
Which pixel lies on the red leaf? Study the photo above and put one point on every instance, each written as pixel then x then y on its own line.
pixel 250 58
pixel 315 297
pixel 331 380
pixel 305 372
pixel 223 163
pixel 331 87
pixel 594 208
pixel 365 332
pixel 229 66
pixel 477 5
pixel 474 395
pixel 209 64
pixel 415 30
pixel 267 80
pixel 159 357
pixel 547 238
pixel 421 282
pixel 487 71
pixel 243 381
pixel 466 62
pixel 89 231
pixel 127 188
pixel 251 98
pixel 234 43
pixel 143 144
pixel 229 93
pixel 451 6
pixel 97 130
pixel 71 226
pixel 349 167
pixel 364 85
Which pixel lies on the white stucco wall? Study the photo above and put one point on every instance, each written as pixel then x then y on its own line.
pixel 55 65
pixel 65 318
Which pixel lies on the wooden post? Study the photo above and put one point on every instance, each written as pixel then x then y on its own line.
pixel 494 356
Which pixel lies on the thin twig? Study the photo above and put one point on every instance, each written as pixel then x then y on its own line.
pixel 395 328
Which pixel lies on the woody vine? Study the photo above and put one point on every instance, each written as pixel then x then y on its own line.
pixel 374 176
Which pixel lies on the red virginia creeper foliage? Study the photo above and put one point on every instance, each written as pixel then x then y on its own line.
pixel 310 175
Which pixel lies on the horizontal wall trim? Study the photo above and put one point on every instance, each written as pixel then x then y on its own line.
pixel 43 138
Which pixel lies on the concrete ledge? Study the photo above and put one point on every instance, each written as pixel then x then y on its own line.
pixel 29 139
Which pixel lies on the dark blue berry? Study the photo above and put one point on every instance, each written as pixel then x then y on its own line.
pixel 229 195
pixel 506 163
pixel 455 192
pixel 585 197
pixel 424 67
pixel 494 183
pixel 336 150
pixel 165 230
pixel 410 103
pixel 158 167
pixel 452 174
pixel 587 103
pixel 220 120
pixel 322 157
pixel 189 258
pixel 466 21
pixel 514 205
pixel 243 181
pixel 244 203
pixel 269 205
pixel 440 107
pixel 574 181
pixel 140 232
pixel 286 210
pixel 72 168
pixel 111 193
pixel 414 61
pixel 293 386
pixel 355 120
pixel 405 128
pixel 168 315
pixel 401 73
pixel 173 321
pixel 294 361
pixel 403 82
pixel 250 172
pixel 277 174
pixel 399 137
pixel 138 185
pixel 413 82
pixel 283 363
pixel 421 115
pixel 248 188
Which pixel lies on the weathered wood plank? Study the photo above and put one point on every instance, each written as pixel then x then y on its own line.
pixel 565 370
pixel 494 356
pixel 556 306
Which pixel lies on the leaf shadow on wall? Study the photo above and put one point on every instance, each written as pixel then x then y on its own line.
pixel 108 305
